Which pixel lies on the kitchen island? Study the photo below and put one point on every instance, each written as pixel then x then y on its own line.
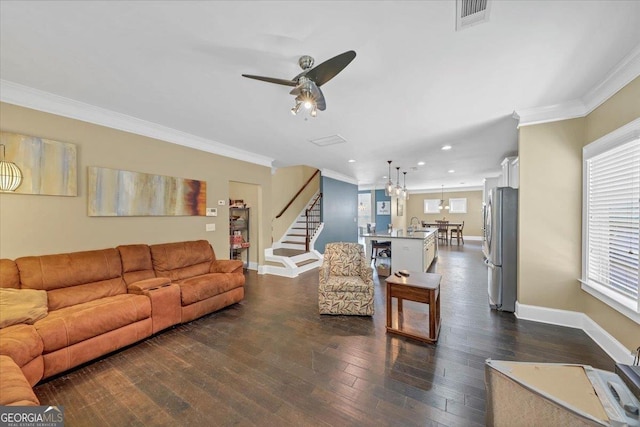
pixel 414 251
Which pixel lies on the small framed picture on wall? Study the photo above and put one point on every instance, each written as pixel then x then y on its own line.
pixel 383 208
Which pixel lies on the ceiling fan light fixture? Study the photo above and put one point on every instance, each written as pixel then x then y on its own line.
pixel 295 108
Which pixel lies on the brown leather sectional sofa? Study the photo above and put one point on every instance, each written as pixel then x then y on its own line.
pixel 100 301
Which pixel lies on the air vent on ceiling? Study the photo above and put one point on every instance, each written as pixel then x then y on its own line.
pixel 328 140
pixel 471 12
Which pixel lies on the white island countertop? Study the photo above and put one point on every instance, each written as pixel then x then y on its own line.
pixel 421 233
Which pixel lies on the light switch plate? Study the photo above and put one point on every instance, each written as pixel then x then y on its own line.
pixel 210 227
pixel 212 211
pixel 221 202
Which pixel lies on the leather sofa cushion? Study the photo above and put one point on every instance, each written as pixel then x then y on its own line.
pixel 76 323
pixel 208 285
pixel 148 284
pixel 9 275
pixel 74 278
pixel 16 390
pixel 20 342
pixel 182 260
pixel 136 263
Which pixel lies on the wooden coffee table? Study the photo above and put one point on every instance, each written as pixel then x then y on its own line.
pixel 418 287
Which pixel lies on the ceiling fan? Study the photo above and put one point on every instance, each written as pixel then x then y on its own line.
pixel 306 85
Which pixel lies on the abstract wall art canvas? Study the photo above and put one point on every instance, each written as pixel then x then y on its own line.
pixel 48 167
pixel 114 192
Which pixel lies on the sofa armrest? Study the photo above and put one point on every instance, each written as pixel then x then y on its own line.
pixel 148 284
pixel 16 390
pixel 226 266
pixel 366 271
pixel 324 273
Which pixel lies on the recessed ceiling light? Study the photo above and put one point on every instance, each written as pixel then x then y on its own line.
pixel 446 147
pixel 420 163
pixel 384 177
pixel 451 171
pixel 351 161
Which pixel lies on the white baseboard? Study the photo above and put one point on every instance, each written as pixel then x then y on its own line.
pixel 474 238
pixel 574 319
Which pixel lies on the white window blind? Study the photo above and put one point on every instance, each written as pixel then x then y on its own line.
pixel 431 206
pixel 458 205
pixel 612 198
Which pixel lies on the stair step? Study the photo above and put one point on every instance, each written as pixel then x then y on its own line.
pixel 305 262
pixel 291 242
pixel 288 252
pixel 297 235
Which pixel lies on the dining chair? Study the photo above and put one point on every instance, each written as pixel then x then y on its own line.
pixel 443 230
pixel 454 233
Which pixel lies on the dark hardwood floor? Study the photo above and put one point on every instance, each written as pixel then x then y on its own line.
pixel 273 360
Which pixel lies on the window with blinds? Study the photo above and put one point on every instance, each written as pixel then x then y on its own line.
pixel 611 218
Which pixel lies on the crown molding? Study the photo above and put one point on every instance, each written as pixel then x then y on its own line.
pixel 618 77
pixel 24 96
pixel 368 187
pixel 338 176
pixel 448 190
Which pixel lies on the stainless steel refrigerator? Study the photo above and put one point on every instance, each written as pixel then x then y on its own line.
pixel 501 247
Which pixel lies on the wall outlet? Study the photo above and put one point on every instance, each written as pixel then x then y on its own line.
pixel 210 227
pixel 221 202
pixel 212 211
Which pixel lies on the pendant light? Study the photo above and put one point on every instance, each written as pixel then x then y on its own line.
pixel 397 190
pixel 405 192
pixel 442 200
pixel 10 175
pixel 388 188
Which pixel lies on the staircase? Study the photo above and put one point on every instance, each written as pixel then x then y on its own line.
pixel 294 253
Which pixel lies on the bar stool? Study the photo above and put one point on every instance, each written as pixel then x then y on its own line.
pixel 376 246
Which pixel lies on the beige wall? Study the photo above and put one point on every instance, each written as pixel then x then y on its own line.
pixel 32 225
pixel 550 205
pixel 285 183
pixel 472 219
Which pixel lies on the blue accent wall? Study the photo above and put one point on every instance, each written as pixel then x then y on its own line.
pixel 339 212
pixel 382 221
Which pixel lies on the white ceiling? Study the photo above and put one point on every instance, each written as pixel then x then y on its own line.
pixel 415 85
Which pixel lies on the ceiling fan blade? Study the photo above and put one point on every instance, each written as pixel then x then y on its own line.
pixel 271 80
pixel 329 68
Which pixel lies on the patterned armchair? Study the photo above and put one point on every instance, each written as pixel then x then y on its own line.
pixel 346 281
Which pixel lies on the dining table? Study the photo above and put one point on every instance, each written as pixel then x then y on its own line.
pixel 449 225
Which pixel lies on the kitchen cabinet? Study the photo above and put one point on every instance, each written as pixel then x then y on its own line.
pixel 413 251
